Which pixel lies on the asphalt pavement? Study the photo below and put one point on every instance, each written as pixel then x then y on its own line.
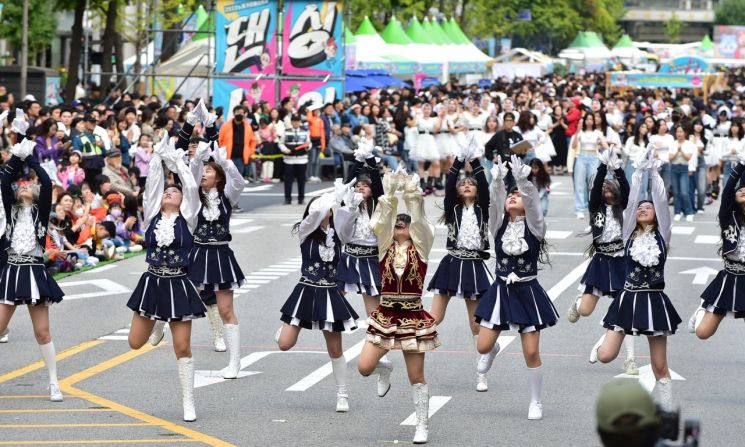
pixel 115 396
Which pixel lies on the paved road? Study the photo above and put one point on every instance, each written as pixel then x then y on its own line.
pixel 123 397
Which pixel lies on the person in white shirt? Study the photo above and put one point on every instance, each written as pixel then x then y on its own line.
pixel 635 148
pixel 662 142
pixel 698 181
pixel 583 157
pixel 530 132
pixel 613 115
pixel 735 145
pixel 680 155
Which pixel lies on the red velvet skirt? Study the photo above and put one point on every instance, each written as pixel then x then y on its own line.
pixel 402 324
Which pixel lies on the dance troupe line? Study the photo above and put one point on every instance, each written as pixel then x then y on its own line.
pixel 354 240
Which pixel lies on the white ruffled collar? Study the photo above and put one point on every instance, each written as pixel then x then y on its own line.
pixel 211 211
pixel 327 251
pixel 165 229
pixel 644 249
pixel 513 239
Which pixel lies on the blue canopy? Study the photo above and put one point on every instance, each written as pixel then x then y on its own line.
pixel 357 80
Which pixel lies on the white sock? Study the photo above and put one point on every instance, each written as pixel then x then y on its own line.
pixel 339 366
pixel 476 343
pixel 628 342
pixel 535 377
pixel 579 302
pixel 48 354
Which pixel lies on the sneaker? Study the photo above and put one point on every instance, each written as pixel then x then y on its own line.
pixel 580 216
pixel 629 367
pixel 342 400
pixel 699 211
pixel 677 217
pixel 135 248
pixel 314 180
pixel 695 319
pixel 237 209
pixel 689 218
pixel 121 250
pixel 535 411
pixel 486 360
pixel 288 202
pixel 277 334
pixel 481 384
pixel 594 352
pixel 275 180
pixel 4 336
pixel 573 313
pixel 55 395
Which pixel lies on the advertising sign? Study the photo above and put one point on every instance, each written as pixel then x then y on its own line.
pixel 312 37
pixel 622 79
pixel 730 41
pixel 228 93
pixel 316 91
pixel 245 40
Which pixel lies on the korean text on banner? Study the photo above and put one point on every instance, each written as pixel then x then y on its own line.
pixel 312 38
pixel 246 36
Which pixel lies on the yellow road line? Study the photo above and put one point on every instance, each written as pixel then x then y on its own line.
pixel 58 410
pixel 60 356
pixel 30 396
pixel 99 441
pixel 128 424
pixel 66 386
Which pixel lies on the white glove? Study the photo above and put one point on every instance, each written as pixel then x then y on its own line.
pixel 646 161
pixel 285 150
pixel 3 118
pixel 19 125
pixel 23 149
pixel 610 159
pixel 460 152
pixel 341 190
pixel 520 170
pixel 412 184
pixel 499 171
pixel 390 184
pixel 364 150
pixel 656 165
pixel 220 154
pixel 472 149
pixel 323 203
pixel 353 198
pixel 192 118
pixel 208 119
pixel 163 146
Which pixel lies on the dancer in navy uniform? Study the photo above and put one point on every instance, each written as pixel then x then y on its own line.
pixel 24 279
pixel 400 321
pixel 607 269
pixel 724 296
pixel 189 143
pixel 359 270
pixel 462 273
pixel 165 291
pixel 642 308
pixel 213 265
pixel 3 222
pixel 316 302
pixel 516 301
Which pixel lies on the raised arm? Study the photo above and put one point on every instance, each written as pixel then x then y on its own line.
pixel 483 184
pixel 190 203
pixel 596 193
pixel 316 213
pixel 8 172
pixel 45 192
pixel 451 191
pixel 531 198
pixel 661 206
pixel 154 186
pixel 421 230
pixel 497 196
pixel 727 196
pixel 234 181
pixel 624 186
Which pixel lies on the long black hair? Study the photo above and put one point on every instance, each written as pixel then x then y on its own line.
pixel 318 234
pixel 541 179
pixel 459 199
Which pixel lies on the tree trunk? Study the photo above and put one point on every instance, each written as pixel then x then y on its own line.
pixel 108 44
pixel 462 19
pixel 75 48
pixel 119 51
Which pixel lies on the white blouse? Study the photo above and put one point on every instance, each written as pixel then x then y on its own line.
pixel 327 251
pixel 363 234
pixel 513 239
pixel 211 211
pixel 589 141
pixel 612 229
pixel 24 234
pixel 663 144
pixel 164 230
pixel 644 249
pixel 738 254
pixel 469 236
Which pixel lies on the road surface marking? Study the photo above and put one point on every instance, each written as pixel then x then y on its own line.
pixel 683 230
pixel 101 269
pixel 39 364
pixel 212 377
pixel 123 424
pixel 435 403
pixel 57 410
pixel 101 441
pixel 707 239
pixel 325 370
pixel 554 234
pixel 248 229
pixel 647 379
pixel 108 287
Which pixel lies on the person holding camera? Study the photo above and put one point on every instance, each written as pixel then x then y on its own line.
pixel 626 415
pixel 642 307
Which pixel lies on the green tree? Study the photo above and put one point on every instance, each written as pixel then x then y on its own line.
pixel 41 26
pixel 672 28
pixel 730 12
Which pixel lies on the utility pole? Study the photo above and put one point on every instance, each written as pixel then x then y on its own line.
pixel 24 49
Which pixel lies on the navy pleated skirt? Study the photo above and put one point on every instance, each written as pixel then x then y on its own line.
pixel 605 275
pixel 208 297
pixel 726 295
pixel 166 297
pixel 214 267
pixel 461 278
pixel 314 306
pixel 25 280
pixel 520 306
pixel 359 274
pixel 642 312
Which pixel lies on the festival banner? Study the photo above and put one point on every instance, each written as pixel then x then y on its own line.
pixel 318 92
pixel 311 38
pixel 730 41
pixel 685 65
pixel 246 34
pixel 623 79
pixel 228 93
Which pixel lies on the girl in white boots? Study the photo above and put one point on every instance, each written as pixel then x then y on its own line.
pixel 316 302
pixel 165 292
pixel 24 279
pixel 642 308
pixel 400 321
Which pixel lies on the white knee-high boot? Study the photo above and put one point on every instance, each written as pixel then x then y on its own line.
pixel 535 377
pixel 665 390
pixel 49 356
pixel 421 404
pixel 233 337
pixel 186 377
pixel 218 342
pixel 629 365
pixel 157 335
pixel 339 367
pixel 481 382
